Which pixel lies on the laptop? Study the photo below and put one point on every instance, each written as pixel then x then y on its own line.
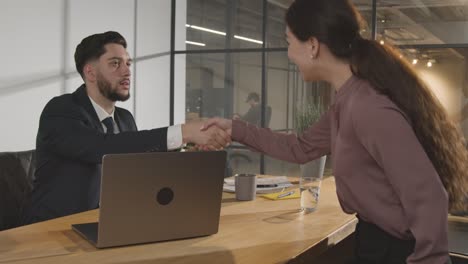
pixel 161 196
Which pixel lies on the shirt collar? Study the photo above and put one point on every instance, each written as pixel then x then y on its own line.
pixel 101 113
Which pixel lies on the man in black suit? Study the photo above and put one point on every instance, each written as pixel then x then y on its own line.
pixel 254 114
pixel 77 129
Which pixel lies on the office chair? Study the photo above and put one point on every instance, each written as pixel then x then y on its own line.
pixel 16 181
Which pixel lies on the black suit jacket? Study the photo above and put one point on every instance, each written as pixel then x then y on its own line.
pixel 70 145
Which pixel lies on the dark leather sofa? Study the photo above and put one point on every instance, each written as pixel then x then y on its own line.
pixel 16 183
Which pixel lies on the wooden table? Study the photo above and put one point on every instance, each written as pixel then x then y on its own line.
pixel 259 231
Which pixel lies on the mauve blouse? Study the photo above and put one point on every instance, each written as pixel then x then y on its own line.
pixel 382 172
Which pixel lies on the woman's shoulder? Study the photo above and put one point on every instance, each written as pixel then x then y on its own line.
pixel 366 96
pixel 368 102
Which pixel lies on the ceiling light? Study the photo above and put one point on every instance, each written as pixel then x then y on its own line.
pixel 415 61
pixel 195 43
pixel 220 33
pixel 248 39
pixel 382 42
pixel 206 29
pixel 431 63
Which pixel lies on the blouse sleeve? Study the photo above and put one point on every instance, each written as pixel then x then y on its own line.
pixel 312 144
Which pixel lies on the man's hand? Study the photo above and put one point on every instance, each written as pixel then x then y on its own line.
pixel 225 124
pixel 212 138
pixel 220 123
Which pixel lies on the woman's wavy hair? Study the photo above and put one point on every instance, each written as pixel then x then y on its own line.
pixel 336 23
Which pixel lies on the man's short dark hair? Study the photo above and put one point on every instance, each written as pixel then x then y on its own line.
pixel 92 47
pixel 253 96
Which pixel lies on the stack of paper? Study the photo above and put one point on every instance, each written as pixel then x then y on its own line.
pixel 280 181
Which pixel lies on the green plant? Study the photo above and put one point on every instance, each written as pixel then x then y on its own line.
pixel 309 114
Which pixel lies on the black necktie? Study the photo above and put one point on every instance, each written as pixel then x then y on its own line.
pixel 109 123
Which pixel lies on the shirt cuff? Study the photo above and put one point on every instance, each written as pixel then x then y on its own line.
pixel 239 129
pixel 174 137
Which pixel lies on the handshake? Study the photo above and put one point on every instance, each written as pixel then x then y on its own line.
pixel 211 134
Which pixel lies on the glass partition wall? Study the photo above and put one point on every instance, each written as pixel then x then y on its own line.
pixel 432 36
pixel 235 50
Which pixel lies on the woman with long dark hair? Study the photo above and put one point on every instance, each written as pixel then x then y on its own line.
pixel 399 163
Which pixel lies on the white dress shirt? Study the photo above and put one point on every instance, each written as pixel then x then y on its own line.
pixel 174 133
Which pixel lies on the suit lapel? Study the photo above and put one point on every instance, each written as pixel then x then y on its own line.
pixel 88 110
pixel 123 123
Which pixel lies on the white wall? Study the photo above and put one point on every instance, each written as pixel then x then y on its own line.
pixel 31 42
pixel 153 93
pixel 152 75
pixel 38 43
pixel 22 110
pixel 446 80
pixel 153 72
pixel 30 73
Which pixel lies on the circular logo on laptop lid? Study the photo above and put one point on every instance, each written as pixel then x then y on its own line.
pixel 165 196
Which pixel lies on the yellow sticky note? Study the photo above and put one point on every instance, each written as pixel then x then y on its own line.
pixel 283 195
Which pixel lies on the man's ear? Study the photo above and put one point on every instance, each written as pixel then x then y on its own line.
pixel 89 72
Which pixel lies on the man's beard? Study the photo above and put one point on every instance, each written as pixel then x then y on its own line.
pixel 105 87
